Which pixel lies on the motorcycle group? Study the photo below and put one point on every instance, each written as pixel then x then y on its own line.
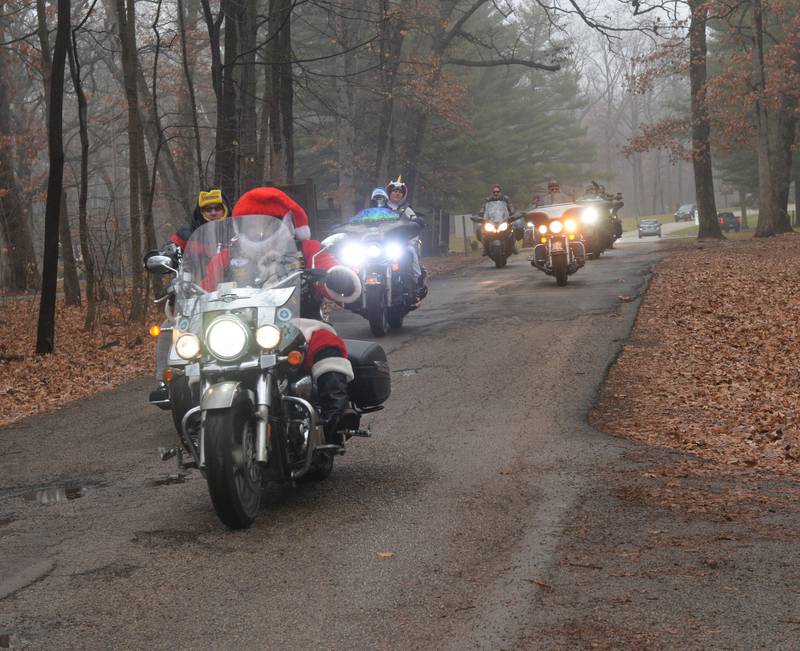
pixel 259 386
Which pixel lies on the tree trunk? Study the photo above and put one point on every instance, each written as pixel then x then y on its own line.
pixel 796 179
pixel 72 286
pixel 701 129
pixel 767 220
pixel 249 174
pixel 743 209
pixel 126 21
pixel 83 192
pixel 14 227
pixel 192 108
pixel 281 120
pixel 72 289
pixel 392 36
pixel 345 113
pixel 45 336
pixel 227 123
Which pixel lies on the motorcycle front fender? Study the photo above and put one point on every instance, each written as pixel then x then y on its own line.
pixel 222 394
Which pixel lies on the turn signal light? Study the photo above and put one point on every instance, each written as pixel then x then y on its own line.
pixel 543 240
pixel 572 236
pixel 155 330
pixel 395 266
pixel 295 358
pixel 168 375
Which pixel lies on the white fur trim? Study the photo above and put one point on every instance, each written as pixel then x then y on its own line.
pixel 333 364
pixel 309 326
pixel 302 233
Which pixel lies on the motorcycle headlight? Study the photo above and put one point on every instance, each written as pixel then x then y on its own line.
pixel 570 225
pixel 227 338
pixel 353 254
pixel 530 224
pixel 556 226
pixel 503 227
pixel 268 337
pixel 543 229
pixel 394 251
pixel 187 346
pixel 373 251
pixel 590 215
pixel 489 227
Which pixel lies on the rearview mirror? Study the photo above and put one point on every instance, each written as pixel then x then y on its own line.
pixel 159 264
pixel 332 240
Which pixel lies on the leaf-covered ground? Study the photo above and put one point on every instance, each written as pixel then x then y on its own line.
pixel 713 363
pixel 82 364
pixel 85 363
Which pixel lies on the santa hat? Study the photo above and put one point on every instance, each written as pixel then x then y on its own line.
pixel 274 203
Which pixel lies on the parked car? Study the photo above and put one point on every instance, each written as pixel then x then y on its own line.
pixel 649 227
pixel 686 212
pixel 728 221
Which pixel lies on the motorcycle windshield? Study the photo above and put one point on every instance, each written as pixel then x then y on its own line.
pixel 254 251
pixel 374 216
pixel 496 211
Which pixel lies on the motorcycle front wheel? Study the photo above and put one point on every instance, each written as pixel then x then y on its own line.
pixel 234 477
pixel 560 270
pixel 378 315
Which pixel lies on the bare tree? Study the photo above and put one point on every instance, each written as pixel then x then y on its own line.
pixel 45 338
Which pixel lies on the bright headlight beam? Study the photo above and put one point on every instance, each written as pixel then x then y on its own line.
pixel 590 215
pixel 268 337
pixel 226 338
pixel 353 254
pixel 394 251
pixel 570 225
pixel 503 227
pixel 489 227
pixel 543 229
pixel 187 346
pixel 556 226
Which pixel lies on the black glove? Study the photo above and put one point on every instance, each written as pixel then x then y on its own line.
pixel 341 282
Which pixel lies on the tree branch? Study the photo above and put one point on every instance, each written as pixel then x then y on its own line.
pixel 512 61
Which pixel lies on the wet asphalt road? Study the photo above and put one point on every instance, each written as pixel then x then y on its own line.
pixel 430 534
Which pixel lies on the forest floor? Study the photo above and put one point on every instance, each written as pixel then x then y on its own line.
pixel 712 366
pixel 84 363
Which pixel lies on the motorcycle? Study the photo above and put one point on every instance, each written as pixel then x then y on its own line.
pixel 375 244
pixel 237 341
pixel 560 251
pixel 497 232
pixel 600 223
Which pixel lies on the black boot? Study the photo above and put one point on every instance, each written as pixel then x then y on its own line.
pixel 334 406
pixel 160 396
pixel 422 286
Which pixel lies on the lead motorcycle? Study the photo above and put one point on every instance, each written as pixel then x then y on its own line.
pixel 238 342
pixel 376 245
pixel 560 250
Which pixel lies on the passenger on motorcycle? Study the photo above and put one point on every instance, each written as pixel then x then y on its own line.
pixel 212 205
pixel 397 193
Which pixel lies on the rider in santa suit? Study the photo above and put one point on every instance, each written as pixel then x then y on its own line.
pixel 326 353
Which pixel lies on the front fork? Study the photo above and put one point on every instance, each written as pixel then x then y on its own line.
pixel 263 398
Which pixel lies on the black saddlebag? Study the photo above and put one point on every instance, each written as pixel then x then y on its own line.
pixel 372 383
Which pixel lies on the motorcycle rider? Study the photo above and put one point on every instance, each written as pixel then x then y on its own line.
pixel 497 195
pixel 212 205
pixel 553 196
pixel 379 198
pixel 326 352
pixel 397 193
